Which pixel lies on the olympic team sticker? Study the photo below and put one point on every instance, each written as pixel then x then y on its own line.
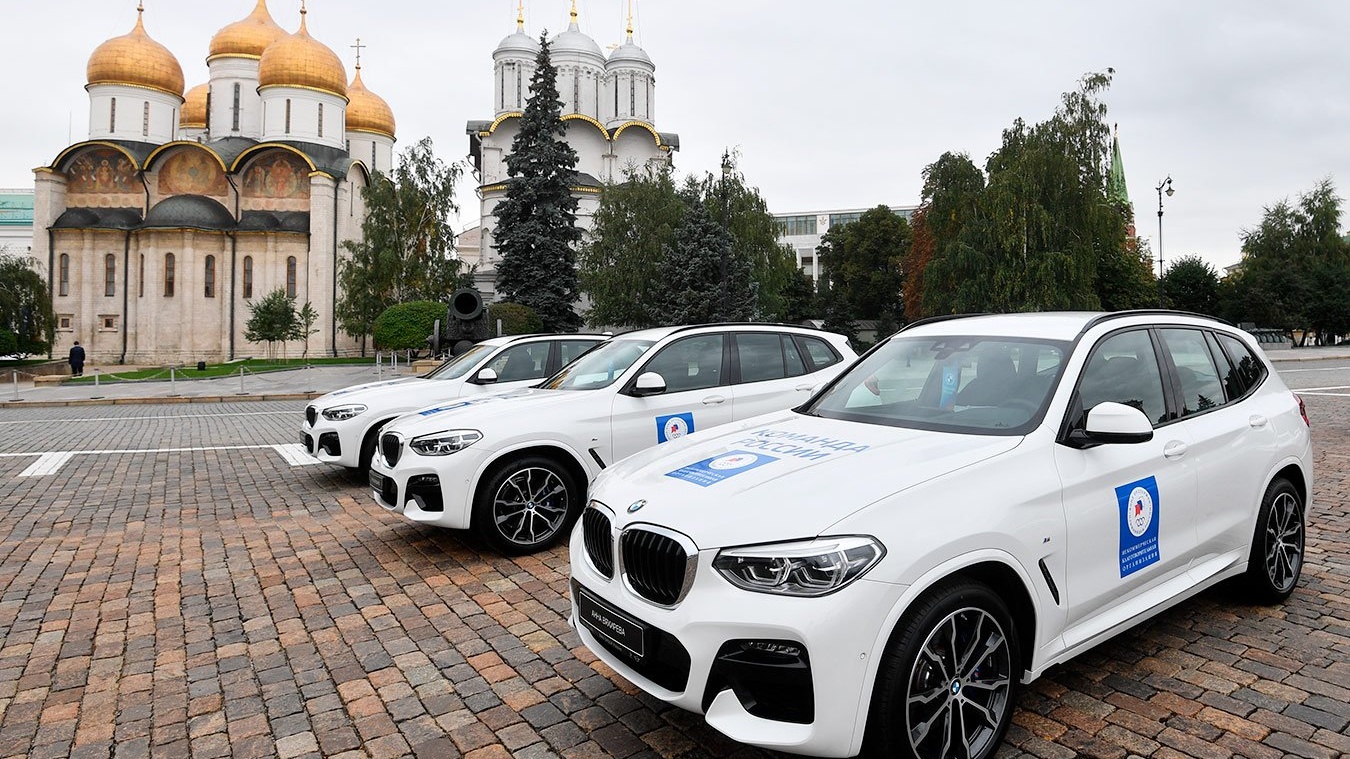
pixel 714 470
pixel 1139 516
pixel 674 426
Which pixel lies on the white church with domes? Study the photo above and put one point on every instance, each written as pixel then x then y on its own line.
pixel 608 105
pixel 180 209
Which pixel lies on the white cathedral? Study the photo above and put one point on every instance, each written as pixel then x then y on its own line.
pixel 180 209
pixel 609 109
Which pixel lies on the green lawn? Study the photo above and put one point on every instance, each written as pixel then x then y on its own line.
pixel 251 366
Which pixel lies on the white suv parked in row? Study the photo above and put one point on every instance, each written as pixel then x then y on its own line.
pixel 342 426
pixel 973 501
pixel 515 466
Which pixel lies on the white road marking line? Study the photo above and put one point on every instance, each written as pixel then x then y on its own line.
pixel 1315 389
pixel 50 461
pixel 1325 395
pixel 46 464
pixel 138 418
pixel 295 454
pixel 1320 369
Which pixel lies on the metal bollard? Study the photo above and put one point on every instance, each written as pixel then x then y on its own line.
pixel 379 366
pixel 241 380
pixel 173 382
pixel 14 377
pixel 96 372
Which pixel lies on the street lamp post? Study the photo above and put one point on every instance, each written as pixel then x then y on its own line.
pixel 726 226
pixel 1164 186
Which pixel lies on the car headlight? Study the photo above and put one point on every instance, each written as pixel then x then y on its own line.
pixel 803 568
pixel 444 443
pixel 342 413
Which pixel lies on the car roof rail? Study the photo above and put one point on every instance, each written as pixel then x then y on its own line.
pixel 942 318
pixel 687 327
pixel 1106 317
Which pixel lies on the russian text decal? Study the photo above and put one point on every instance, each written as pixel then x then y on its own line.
pixel 714 470
pixel 1139 514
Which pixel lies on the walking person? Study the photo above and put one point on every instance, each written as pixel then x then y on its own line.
pixel 76 360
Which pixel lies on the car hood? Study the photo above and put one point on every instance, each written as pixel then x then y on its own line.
pixel 782 476
pixel 368 390
pixel 491 413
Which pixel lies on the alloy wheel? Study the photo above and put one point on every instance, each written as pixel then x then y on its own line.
pixel 530 506
pixel 1284 542
pixel 959 687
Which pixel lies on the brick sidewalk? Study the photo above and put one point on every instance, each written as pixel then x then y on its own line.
pixel 221 604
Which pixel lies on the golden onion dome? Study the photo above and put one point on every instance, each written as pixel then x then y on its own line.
pixel 247 38
pixel 366 111
pixel 193 114
pixel 136 60
pixel 299 60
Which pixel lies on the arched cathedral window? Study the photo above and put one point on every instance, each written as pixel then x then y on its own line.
pixel 168 275
pixel 290 277
pixel 65 274
pixel 248 277
pixel 210 277
pixel 109 275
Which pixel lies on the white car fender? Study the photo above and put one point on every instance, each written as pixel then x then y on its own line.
pixel 589 467
pixel 907 598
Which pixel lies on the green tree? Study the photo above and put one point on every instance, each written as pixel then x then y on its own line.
pixel 952 186
pixel 536 221
pixel 1294 263
pixel 744 213
pixel 1045 236
pixel 1191 284
pixel 405 326
pixel 25 305
pixel 272 320
pixel 863 261
pixel 407 245
pixel 621 260
pixel 799 299
pixel 516 319
pixel 304 325
pixel 692 274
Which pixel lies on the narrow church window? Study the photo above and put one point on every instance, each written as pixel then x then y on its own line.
pixel 632 97
pixel 65 274
pixel 248 277
pixel 596 80
pixel 145 120
pixel 109 275
pixel 647 96
pixel 290 277
pixel 288 115
pixel 210 277
pixel 168 275
pixel 140 278
pixel 576 91
pixel 616 97
pixel 501 85
pixel 372 157
pixel 236 106
pixel 112 114
pixel 519 77
pixel 320 119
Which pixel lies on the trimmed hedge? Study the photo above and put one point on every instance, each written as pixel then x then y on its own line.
pixel 406 325
pixel 517 319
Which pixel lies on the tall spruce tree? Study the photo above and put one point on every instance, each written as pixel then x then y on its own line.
pixel 536 222
pixel 692 273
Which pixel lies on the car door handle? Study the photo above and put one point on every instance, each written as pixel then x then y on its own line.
pixel 714 400
pixel 1257 421
pixel 803 388
pixel 1174 450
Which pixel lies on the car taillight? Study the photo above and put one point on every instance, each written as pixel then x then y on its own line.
pixel 1302 410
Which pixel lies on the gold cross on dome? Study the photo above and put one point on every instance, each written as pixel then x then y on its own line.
pixel 358 47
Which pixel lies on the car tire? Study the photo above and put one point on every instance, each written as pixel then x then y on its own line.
pixel 929 692
pixel 1276 558
pixel 526 504
pixel 368 445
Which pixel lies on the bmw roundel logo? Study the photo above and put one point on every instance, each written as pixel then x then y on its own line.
pixel 635 505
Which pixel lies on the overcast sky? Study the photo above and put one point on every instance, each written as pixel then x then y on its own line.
pixel 831 105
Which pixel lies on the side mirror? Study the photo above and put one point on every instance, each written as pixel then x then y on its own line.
pixel 1109 423
pixel 649 383
pixel 486 376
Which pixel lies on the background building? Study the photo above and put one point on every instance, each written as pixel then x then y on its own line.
pixel 802 231
pixel 16 221
pixel 180 209
pixel 609 108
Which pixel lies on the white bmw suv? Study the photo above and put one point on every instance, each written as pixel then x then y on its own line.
pixel 342 426
pixel 973 501
pixel 515 466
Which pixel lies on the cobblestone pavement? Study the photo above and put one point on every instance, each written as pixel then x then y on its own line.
pixel 215 601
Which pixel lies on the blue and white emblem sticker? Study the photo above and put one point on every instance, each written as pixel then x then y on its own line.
pixel 1139 513
pixel 674 426
pixel 714 470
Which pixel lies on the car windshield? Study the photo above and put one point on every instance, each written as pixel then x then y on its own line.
pixel 968 384
pixel 459 365
pixel 600 367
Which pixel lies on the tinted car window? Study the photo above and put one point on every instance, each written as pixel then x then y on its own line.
pixel 694 363
pixel 521 362
pixel 1124 369
pixel 1201 388
pixel 1249 368
pixel 820 352
pixel 460 365
pixel 570 349
pixel 792 357
pixel 760 357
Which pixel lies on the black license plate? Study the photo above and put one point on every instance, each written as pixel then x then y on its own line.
pixel 376 481
pixel 307 442
pixel 611 624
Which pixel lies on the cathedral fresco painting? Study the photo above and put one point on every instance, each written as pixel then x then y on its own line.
pixel 102 171
pixel 277 175
pixel 191 172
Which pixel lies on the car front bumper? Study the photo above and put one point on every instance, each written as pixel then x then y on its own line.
pixel 432 490
pixel 321 437
pixel 777 672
